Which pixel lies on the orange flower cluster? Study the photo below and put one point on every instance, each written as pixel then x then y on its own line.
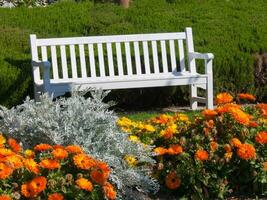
pixel 172 181
pixel 174 149
pixel 201 155
pixel 246 96
pixel 223 98
pixel 5 197
pixel 261 137
pixel 46 158
pixel 263 108
pixel 246 152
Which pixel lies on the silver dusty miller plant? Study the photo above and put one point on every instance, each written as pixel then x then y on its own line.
pixel 84 122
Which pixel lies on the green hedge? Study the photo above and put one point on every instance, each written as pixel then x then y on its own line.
pixel 233 30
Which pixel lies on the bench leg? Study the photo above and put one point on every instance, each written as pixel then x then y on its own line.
pixel 193 93
pixel 209 92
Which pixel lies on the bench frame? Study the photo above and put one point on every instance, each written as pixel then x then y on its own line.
pixel 58 86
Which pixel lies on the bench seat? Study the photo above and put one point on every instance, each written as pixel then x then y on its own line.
pixel 120 62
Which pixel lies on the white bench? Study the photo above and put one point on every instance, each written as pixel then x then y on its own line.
pixel 120 62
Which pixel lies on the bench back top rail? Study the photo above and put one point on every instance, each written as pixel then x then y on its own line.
pixel 99 57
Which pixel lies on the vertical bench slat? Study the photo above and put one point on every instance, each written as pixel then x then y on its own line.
pixel 82 61
pixel 164 56
pixel 173 57
pixel 44 53
pixel 64 61
pixel 54 62
pixel 73 61
pixel 110 60
pixel 181 55
pixel 155 57
pixel 92 60
pixel 128 58
pixel 190 48
pixel 137 58
pixel 119 58
pixel 101 59
pixel 146 57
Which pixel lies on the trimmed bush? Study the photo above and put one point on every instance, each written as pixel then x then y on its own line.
pixel 233 30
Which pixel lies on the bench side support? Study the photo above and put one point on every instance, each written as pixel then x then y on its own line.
pixel 209 86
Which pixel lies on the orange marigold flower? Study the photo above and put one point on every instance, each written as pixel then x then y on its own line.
pixel 14 161
pixel 37 185
pixel 246 96
pixel 100 173
pixel 43 147
pixel 213 146
pixel 209 124
pixel 74 149
pixel 209 113
pixel 84 184
pixel 253 124
pixel 201 155
pixel 109 191
pixel 235 142
pixel 49 164
pixel 2 140
pixel 55 196
pixel 240 116
pixel 60 153
pixel 227 107
pixel 263 108
pixel 160 151
pixel 265 166
pixel 246 152
pixel 223 98
pixel 172 181
pixel 29 153
pixel 5 171
pixel 14 145
pixel 5 197
pixel 227 148
pixel 31 165
pixel 25 191
pixel 175 149
pixel 6 152
pixel 261 137
pixel 57 146
pixel 83 161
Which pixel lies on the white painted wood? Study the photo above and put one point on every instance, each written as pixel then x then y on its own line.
pixel 146 57
pixel 119 59
pixel 155 57
pixel 164 56
pixel 173 56
pixel 181 55
pixel 137 58
pixel 82 61
pixel 190 48
pixel 44 53
pixel 110 39
pixel 128 58
pixel 92 60
pixel 147 79
pixel 110 60
pixel 101 60
pixel 64 62
pixel 73 61
pixel 54 62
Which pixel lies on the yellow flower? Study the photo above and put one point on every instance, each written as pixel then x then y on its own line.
pixel 131 160
pixel 228 156
pixel 29 153
pixel 181 117
pixel 2 140
pixel 126 129
pixel 124 122
pixel 134 138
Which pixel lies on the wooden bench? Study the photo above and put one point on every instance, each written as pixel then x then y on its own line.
pixel 120 62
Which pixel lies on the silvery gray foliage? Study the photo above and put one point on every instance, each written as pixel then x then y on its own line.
pixel 85 122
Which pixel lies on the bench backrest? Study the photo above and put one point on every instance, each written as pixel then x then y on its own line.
pixel 111 56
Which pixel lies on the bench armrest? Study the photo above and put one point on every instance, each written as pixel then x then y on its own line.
pixel 204 56
pixel 46 65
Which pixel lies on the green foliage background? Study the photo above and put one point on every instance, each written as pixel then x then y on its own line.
pixel 234 30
